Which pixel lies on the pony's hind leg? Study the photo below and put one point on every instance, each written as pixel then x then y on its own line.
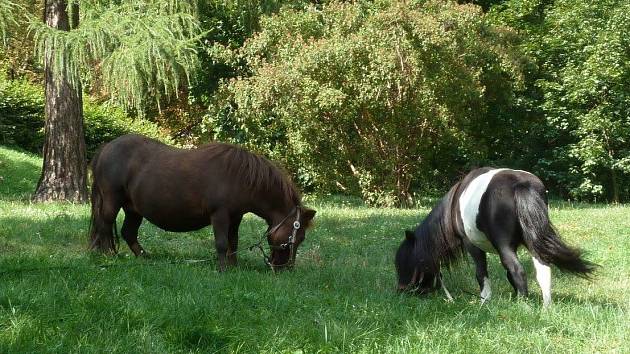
pixel 516 273
pixel 129 231
pixel 481 271
pixel 104 219
pixel 543 277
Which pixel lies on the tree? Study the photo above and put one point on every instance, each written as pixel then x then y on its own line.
pixel 64 173
pixel 120 56
pixel 581 85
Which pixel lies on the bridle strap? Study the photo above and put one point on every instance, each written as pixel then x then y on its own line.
pixel 296 227
pixel 290 242
pixel 275 228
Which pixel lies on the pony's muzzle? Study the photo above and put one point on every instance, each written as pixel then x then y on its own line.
pixel 280 264
pixel 414 284
pixel 280 267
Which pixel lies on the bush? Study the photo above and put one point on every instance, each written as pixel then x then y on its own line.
pixel 104 124
pixel 22 119
pixel 21 115
pixel 371 99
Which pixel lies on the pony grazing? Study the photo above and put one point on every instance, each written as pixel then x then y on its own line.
pixel 489 210
pixel 185 190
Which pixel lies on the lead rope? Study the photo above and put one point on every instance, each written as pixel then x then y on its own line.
pixel 254 245
pixel 449 298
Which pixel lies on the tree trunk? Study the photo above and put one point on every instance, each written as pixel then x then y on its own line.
pixel 615 186
pixel 64 172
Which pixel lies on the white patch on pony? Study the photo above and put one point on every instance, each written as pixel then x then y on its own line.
pixel 469 209
pixel 525 172
pixel 486 292
pixel 543 277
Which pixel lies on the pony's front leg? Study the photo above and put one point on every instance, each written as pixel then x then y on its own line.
pixel 235 222
pixel 221 227
pixel 481 271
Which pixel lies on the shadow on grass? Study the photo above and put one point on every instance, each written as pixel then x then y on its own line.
pixel 26 242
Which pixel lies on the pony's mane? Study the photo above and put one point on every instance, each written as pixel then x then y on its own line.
pixel 255 171
pixel 437 240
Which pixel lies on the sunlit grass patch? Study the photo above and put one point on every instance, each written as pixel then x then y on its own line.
pixel 341 297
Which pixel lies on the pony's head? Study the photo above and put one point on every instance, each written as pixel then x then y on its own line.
pixel 285 238
pixel 415 272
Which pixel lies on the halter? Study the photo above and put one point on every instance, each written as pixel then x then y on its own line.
pixel 290 242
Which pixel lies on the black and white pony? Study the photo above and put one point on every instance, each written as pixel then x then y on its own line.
pixel 489 210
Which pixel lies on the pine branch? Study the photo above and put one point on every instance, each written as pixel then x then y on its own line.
pixel 145 49
pixel 8 14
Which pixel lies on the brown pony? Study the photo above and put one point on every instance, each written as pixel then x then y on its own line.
pixel 183 190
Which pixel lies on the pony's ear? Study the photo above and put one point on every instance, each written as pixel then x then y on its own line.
pixel 409 235
pixel 308 214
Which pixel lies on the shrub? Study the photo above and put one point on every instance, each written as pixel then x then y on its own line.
pixel 103 124
pixel 22 119
pixel 370 99
pixel 21 115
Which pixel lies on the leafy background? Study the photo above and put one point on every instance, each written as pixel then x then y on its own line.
pixel 385 100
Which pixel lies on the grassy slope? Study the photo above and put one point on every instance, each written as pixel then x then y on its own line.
pixel 55 297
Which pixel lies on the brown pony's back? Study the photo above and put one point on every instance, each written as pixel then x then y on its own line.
pixel 140 160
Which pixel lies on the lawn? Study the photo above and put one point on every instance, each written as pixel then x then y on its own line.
pixel 57 297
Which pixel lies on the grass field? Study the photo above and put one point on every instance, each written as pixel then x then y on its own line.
pixel 57 297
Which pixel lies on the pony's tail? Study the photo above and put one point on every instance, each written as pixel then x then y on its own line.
pixel 101 239
pixel 541 237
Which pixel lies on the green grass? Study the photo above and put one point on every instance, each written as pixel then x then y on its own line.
pixel 57 297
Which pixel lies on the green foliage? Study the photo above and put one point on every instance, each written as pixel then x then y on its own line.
pixel 583 75
pixel 104 123
pixel 485 4
pixel 340 298
pixel 7 18
pixel 132 50
pixel 375 99
pixel 22 124
pixel 225 23
pixel 320 86
pixel 16 56
pixel 22 115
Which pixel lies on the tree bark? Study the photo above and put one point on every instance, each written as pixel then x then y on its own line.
pixel 64 171
pixel 615 186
